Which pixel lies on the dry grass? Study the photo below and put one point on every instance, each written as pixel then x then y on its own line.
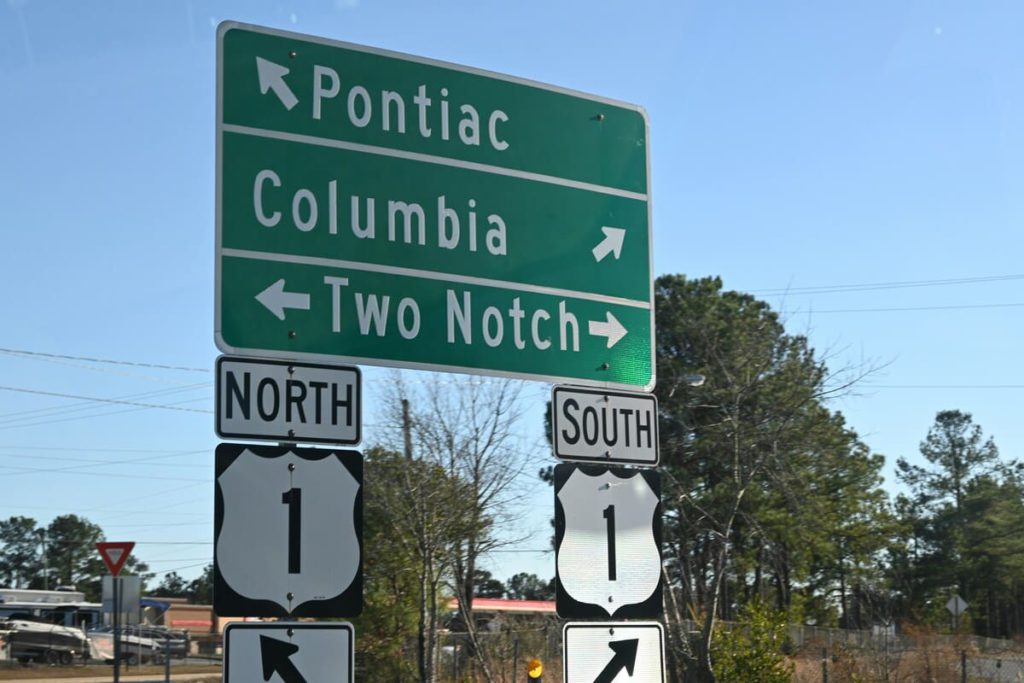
pixel 18 672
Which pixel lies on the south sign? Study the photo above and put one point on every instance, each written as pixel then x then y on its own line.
pixel 593 425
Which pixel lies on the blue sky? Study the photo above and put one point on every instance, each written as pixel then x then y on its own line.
pixel 796 147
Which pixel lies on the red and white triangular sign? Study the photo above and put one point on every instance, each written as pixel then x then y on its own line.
pixel 115 554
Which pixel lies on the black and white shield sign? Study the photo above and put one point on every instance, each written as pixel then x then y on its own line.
pixel 288 532
pixel 607 542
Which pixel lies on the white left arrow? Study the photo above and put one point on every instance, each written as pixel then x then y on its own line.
pixel 271 77
pixel 611 244
pixel 610 328
pixel 277 300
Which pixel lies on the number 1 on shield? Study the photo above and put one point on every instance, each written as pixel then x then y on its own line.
pixel 609 514
pixel 293 499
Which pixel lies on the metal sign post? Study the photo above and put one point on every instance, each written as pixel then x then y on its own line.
pixel 116 585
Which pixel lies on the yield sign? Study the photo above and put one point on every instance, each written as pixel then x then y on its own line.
pixel 115 554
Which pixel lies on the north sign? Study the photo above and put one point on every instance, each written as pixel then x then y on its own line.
pixel 607 542
pixel 297 652
pixel 288 527
pixel 613 427
pixel 288 401
pixel 378 208
pixel 610 652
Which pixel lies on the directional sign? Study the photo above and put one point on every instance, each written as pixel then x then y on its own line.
pixel 607 542
pixel 288 532
pixel 606 652
pixel 288 401
pixel 297 652
pixel 114 554
pixel 393 210
pixel 591 425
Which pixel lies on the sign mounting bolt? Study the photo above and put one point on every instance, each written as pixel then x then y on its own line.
pixel 605 366
pixel 291 334
pixel 291 465
pixel 291 55
pixel 291 596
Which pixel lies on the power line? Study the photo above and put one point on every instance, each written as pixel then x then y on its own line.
pixel 872 286
pixel 182 368
pixel 943 386
pixel 87 405
pixel 103 400
pixel 915 308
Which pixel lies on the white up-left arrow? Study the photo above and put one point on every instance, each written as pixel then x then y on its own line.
pixel 277 300
pixel 271 77
pixel 610 328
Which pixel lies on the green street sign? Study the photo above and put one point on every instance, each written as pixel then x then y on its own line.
pixel 378 208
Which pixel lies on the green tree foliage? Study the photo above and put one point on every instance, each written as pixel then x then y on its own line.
pixel 962 524
pixel 751 649
pixel 411 516
pixel 172 586
pixel 20 552
pixel 487 586
pixel 71 554
pixel 61 554
pixel 765 490
pixel 524 586
pixel 200 589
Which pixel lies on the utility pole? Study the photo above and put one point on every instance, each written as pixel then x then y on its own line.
pixel 407 429
pixel 46 570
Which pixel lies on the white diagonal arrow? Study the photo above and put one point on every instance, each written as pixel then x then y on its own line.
pixel 612 329
pixel 271 77
pixel 611 244
pixel 277 300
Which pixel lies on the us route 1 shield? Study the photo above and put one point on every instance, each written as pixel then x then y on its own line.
pixel 288 401
pixel 296 652
pixel 607 542
pixel 288 532
pixel 598 425
pixel 613 652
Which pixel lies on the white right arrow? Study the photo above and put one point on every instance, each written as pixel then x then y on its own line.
pixel 611 244
pixel 271 77
pixel 612 329
pixel 277 300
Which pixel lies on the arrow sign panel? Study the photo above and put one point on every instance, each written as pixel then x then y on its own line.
pixel 610 652
pixel 288 532
pixel 374 207
pixel 289 652
pixel 607 542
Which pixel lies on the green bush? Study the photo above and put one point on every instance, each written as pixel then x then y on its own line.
pixel 751 650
